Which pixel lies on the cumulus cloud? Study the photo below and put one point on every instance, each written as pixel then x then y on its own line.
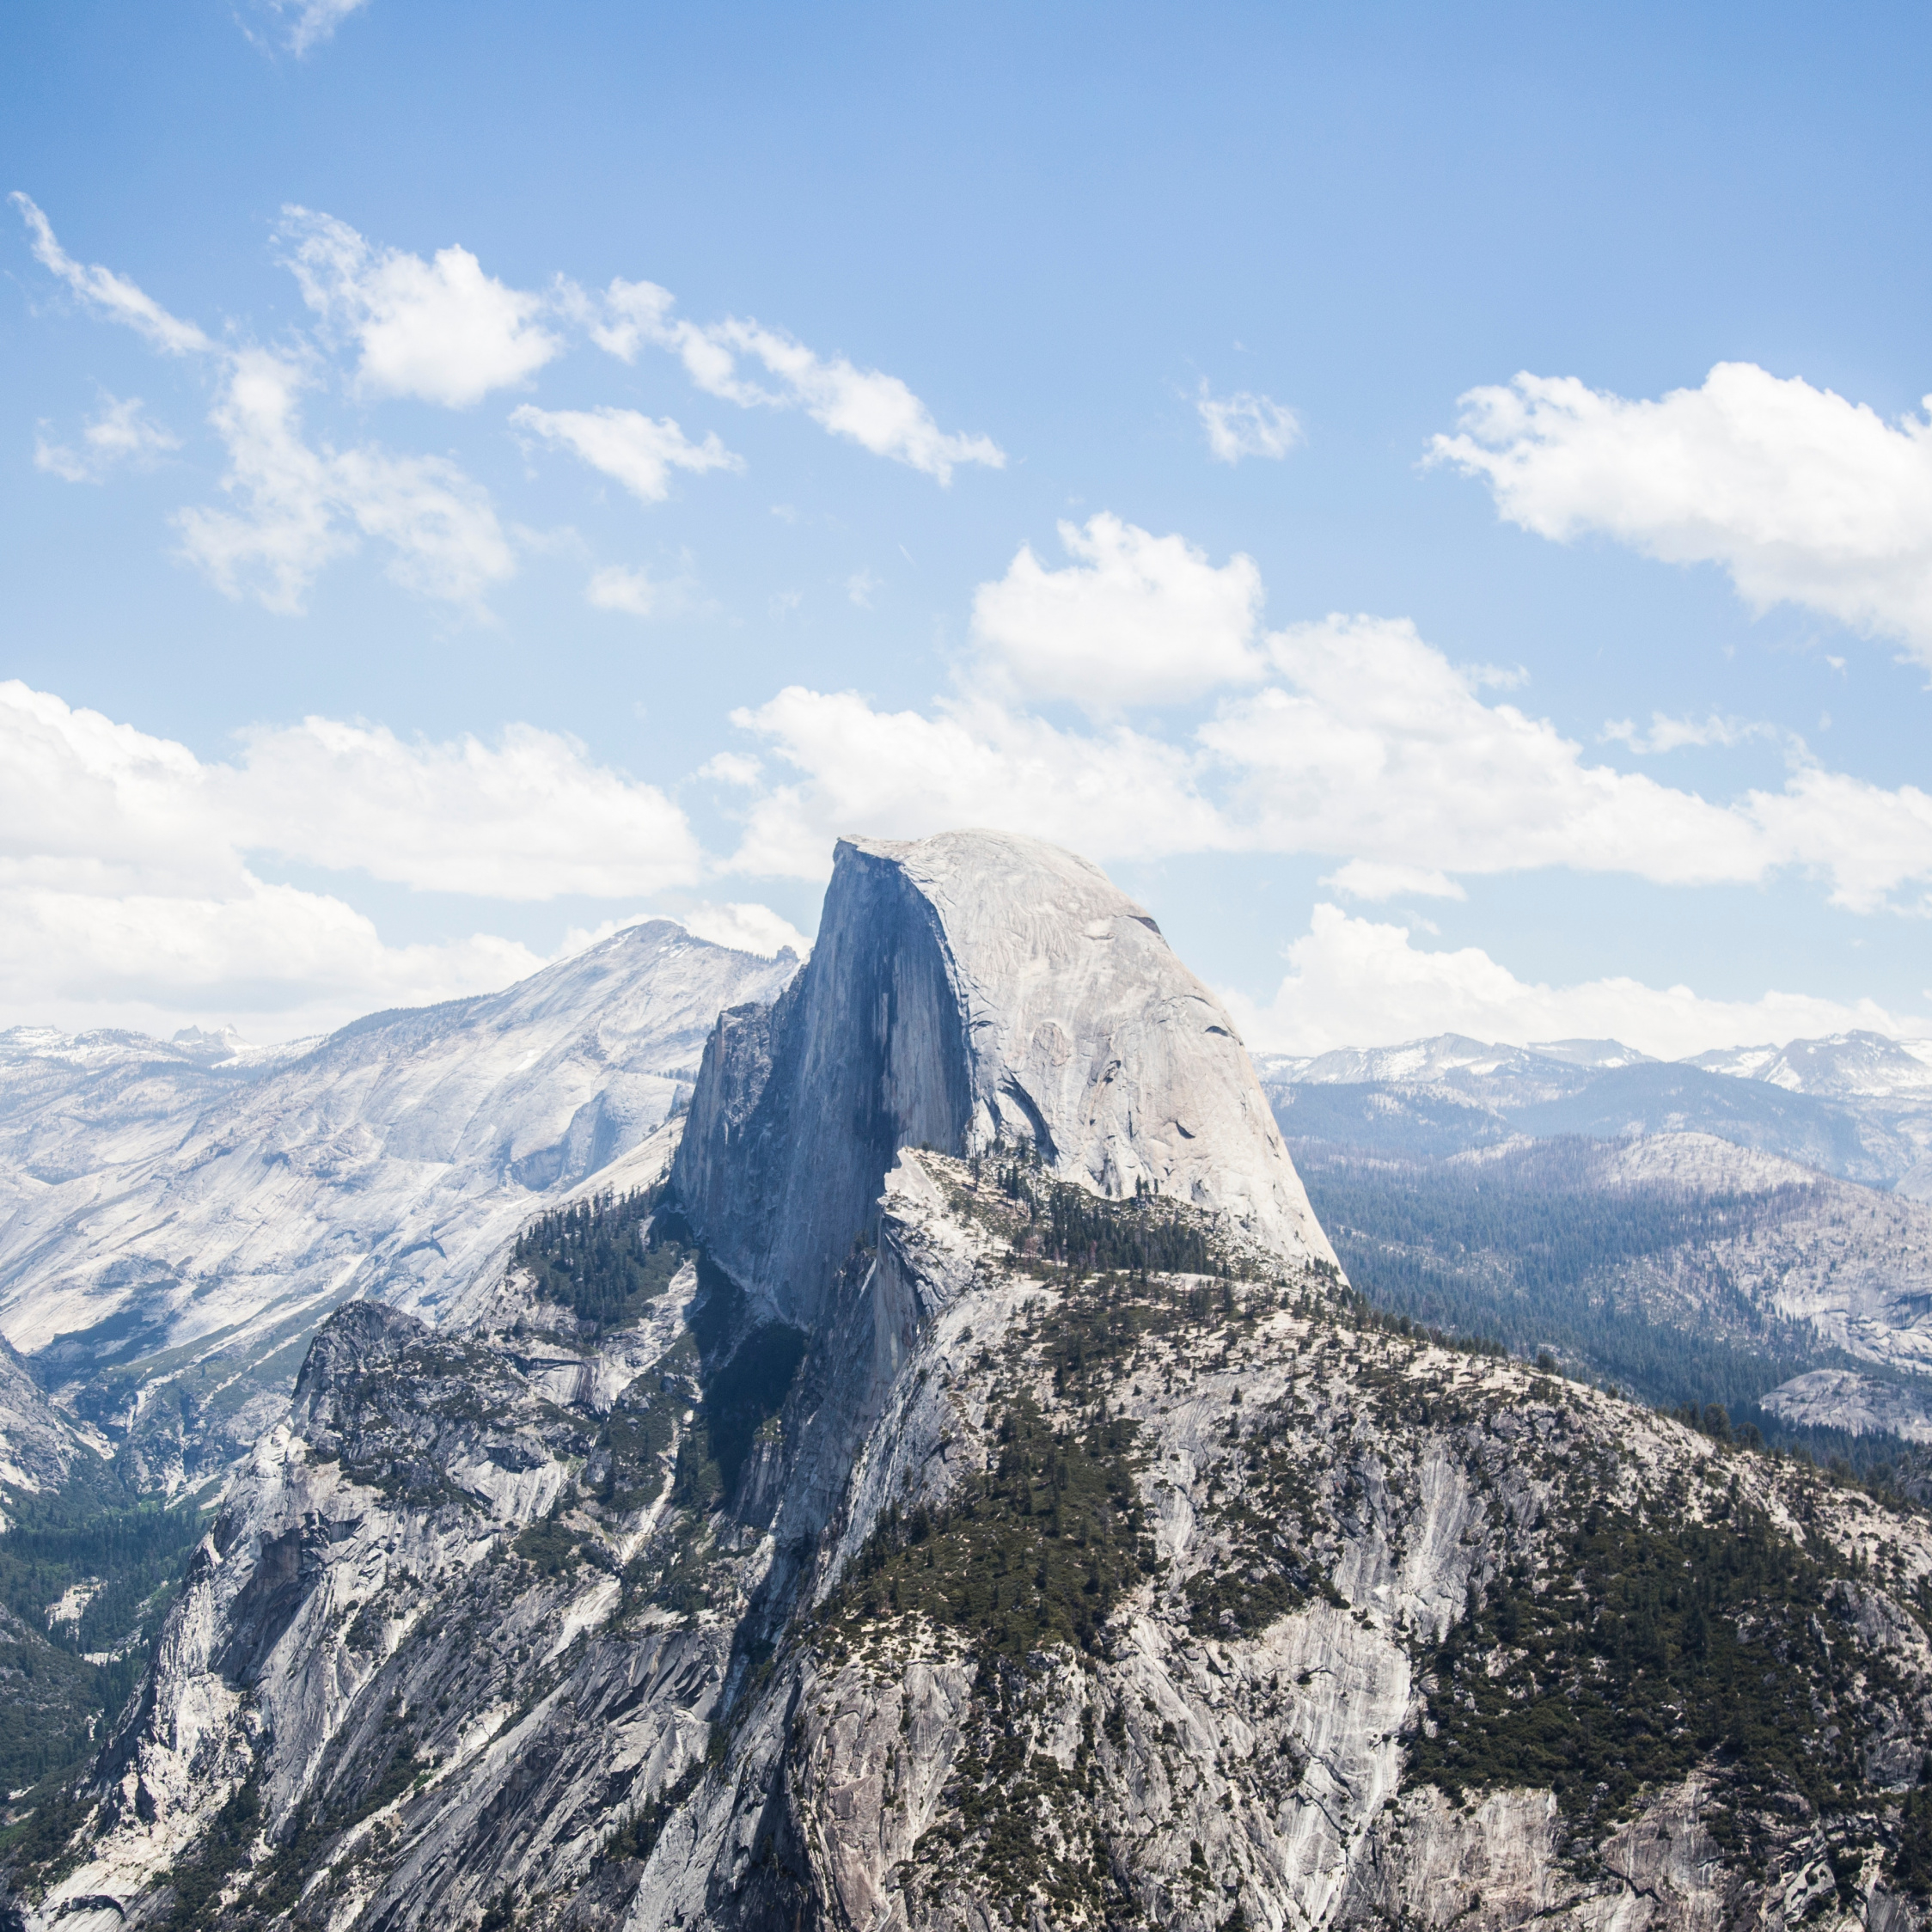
pixel 1369 742
pixel 1246 425
pixel 1363 743
pixel 113 296
pixel 748 927
pixel 867 406
pixel 299 507
pixel 128 865
pixel 1354 981
pixel 1803 497
pixel 440 330
pixel 1134 619
pixel 278 962
pixel 639 451
pixel 902 774
pixel 528 817
pixel 119 433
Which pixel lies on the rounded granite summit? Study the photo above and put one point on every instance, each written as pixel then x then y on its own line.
pixel 968 992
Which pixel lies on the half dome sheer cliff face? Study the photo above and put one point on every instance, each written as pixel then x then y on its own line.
pixel 963 1493
pixel 970 992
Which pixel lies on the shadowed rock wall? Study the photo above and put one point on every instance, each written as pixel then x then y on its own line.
pixel 967 991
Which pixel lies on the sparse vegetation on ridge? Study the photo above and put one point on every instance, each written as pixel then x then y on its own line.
pixel 606 1257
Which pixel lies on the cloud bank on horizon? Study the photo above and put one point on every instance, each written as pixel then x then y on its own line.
pixel 1129 702
pixel 1350 739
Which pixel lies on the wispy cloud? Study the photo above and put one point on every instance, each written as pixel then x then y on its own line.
pixel 300 506
pixel 302 25
pixel 1674 734
pixel 113 296
pixel 637 593
pixel 1246 425
pixel 296 506
pixel 119 433
pixel 877 411
pixel 639 451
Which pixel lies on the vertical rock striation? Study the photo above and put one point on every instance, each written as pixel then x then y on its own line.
pixel 934 1537
pixel 969 991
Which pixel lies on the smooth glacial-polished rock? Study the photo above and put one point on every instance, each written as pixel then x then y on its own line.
pixel 972 992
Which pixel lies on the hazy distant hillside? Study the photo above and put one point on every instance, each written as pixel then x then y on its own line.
pixel 1858 1105
pixel 1745 1228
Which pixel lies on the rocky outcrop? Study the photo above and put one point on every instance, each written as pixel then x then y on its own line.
pixel 968 993
pixel 1840 1398
pixel 37 1443
pixel 169 1224
pixel 1043 1550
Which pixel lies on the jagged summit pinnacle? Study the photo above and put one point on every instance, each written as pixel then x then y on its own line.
pixel 968 992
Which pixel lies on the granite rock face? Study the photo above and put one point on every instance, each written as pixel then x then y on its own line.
pixel 173 1224
pixel 968 992
pixel 948 1534
pixel 37 1443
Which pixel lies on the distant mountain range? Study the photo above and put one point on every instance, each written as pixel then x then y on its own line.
pixel 1751 1228
pixel 1858 1105
pixel 959 1494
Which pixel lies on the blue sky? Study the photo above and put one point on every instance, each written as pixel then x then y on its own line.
pixel 471 475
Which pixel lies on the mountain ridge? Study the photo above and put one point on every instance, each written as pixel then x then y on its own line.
pixel 1093 1556
pixel 189 1237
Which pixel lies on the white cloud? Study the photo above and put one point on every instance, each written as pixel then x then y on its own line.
pixel 748 927
pixel 731 767
pixel 861 586
pixel 1803 497
pixel 1246 425
pixel 1370 743
pixel 876 411
pixel 126 863
pixel 442 330
pixel 637 593
pixel 633 314
pixel 1672 734
pixel 300 508
pixel 279 962
pixel 308 24
pixel 1364 745
pixel 113 295
pixel 640 452
pixel 118 434
pixel 527 818
pixel 1368 878
pixel 1134 619
pixel 1354 982
pixel 872 409
pixel 903 775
